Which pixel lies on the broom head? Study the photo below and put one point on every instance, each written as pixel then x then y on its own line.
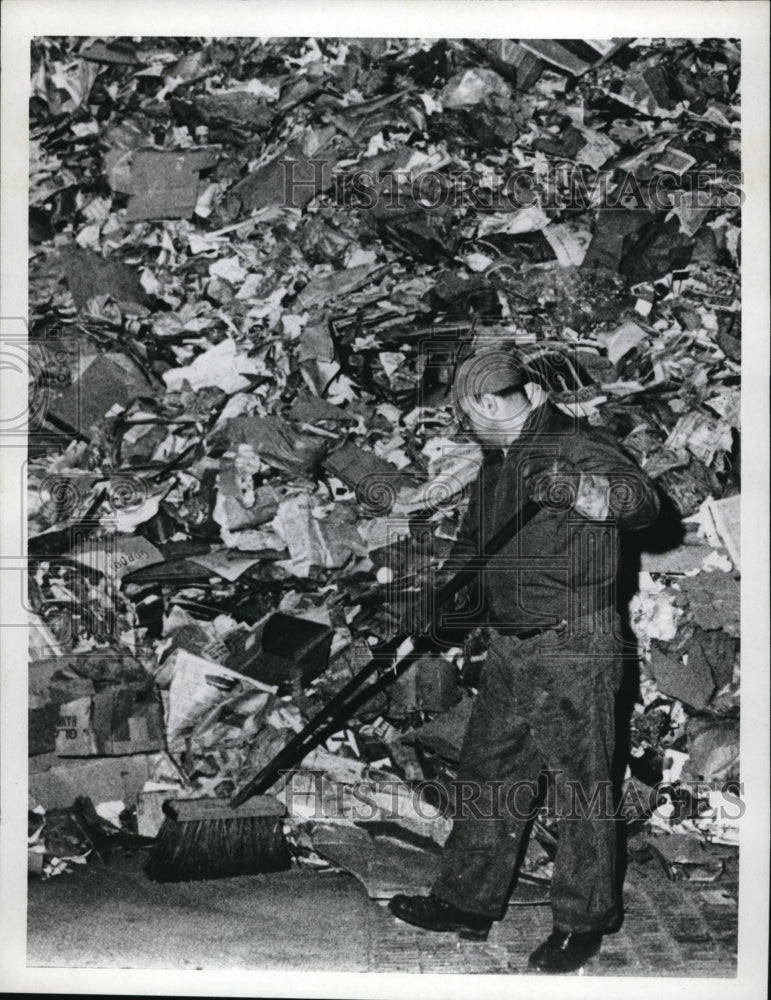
pixel 206 838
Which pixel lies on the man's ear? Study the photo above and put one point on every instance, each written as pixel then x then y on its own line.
pixel 488 404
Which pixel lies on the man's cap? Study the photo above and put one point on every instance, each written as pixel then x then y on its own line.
pixel 490 369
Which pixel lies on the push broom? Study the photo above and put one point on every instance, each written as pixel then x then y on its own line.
pixel 215 838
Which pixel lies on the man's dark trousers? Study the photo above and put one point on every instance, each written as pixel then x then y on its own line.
pixel 545 703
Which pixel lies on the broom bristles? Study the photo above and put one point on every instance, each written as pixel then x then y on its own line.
pixel 217 848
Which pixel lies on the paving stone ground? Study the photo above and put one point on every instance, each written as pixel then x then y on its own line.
pixel 113 917
pixel 670 929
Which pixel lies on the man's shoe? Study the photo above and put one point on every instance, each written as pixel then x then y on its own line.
pixel 565 951
pixel 434 914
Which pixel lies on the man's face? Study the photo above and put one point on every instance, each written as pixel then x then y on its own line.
pixel 495 420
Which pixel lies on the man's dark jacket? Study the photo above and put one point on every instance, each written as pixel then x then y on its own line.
pixel 562 565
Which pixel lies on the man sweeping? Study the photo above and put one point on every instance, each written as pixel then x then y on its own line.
pixel 545 708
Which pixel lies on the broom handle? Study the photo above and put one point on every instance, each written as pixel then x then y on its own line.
pixel 355 701
pixel 333 710
pixel 276 768
pixel 293 751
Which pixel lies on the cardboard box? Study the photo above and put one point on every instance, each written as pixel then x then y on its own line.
pixel 42 726
pixel 120 720
pixel 283 648
pixel 50 684
pixel 430 685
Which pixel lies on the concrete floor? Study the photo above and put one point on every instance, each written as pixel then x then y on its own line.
pixel 304 919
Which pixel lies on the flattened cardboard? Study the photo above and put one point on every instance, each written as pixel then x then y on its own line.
pixel 114 722
pixel 103 779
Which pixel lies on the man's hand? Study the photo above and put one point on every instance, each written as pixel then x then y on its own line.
pixel 593 496
pixel 553 483
pixel 561 485
pixel 623 494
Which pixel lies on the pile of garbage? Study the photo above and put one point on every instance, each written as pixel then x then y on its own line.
pixel 253 267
